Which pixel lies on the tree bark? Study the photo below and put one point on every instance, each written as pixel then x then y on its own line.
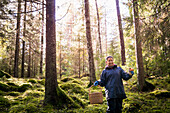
pixel 51 72
pixel 17 41
pixel 121 34
pixel 139 58
pixel 98 20
pixel 89 43
pixel 23 43
pixel 42 39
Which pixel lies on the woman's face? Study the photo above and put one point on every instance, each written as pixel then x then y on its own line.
pixel 109 62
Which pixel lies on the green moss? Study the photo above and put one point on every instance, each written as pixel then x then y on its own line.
pixel 34 94
pixel 24 87
pixel 64 100
pixel 17 109
pixel 42 82
pixel 13 87
pixel 161 93
pixel 73 88
pixel 79 101
pixel 66 79
pixel 4 87
pixel 31 108
pixel 148 86
pixel 32 81
pixel 76 81
pixel 2 73
pixel 2 93
pixel 13 93
pixel 4 104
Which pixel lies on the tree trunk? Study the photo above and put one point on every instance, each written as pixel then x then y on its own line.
pixel 29 56
pixel 121 34
pixel 51 72
pixel 23 43
pixel 17 40
pixel 79 57
pixel 139 59
pixel 98 20
pixel 89 43
pixel 106 31
pixel 42 39
pixel 60 58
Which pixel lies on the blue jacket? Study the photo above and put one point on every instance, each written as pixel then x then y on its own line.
pixel 111 79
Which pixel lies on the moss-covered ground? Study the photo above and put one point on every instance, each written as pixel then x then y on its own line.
pixel 19 95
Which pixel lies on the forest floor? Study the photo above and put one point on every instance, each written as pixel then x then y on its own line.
pixel 19 95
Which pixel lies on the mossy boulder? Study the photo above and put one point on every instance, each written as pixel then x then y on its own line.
pixel 24 87
pixel 73 88
pixel 76 81
pixel 42 82
pixel 78 100
pixel 13 93
pixel 4 87
pixel 3 73
pixel 29 108
pixel 32 81
pixel 63 101
pixel 67 79
pixel 132 107
pixel 148 86
pixel 161 93
pixel 4 104
pixel 34 94
pixel 13 87
pixel 2 93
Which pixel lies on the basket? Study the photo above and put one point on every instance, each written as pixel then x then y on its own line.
pixel 96 97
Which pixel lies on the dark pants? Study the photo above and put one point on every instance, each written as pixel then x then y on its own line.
pixel 114 105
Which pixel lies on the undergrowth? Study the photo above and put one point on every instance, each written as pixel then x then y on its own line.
pixel 27 95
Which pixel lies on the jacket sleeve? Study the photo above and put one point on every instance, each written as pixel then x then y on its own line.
pixel 124 75
pixel 102 80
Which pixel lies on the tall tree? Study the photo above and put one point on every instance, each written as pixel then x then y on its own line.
pixel 23 43
pixel 139 58
pixel 89 43
pixel 17 40
pixel 121 33
pixel 106 31
pixel 51 72
pixel 79 51
pixel 29 56
pixel 98 20
pixel 42 39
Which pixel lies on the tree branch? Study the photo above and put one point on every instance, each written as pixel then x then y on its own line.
pixel 64 14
